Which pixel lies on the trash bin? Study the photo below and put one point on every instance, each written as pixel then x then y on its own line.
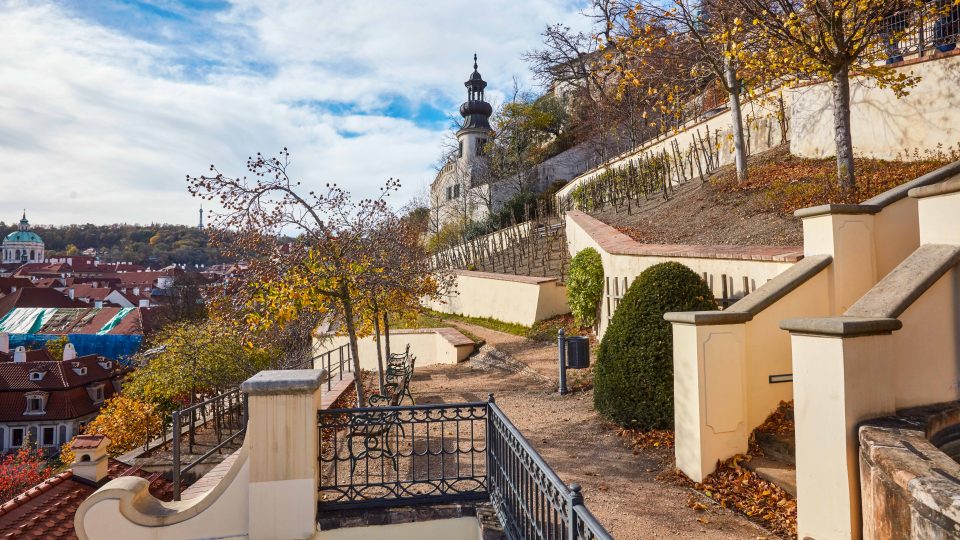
pixel 578 352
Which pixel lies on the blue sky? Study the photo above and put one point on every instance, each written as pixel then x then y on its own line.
pixel 106 105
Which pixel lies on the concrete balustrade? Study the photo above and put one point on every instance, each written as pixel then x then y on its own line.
pixel 732 368
pixel 894 347
pixel 269 492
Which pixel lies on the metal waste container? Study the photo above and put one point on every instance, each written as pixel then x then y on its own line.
pixel 578 352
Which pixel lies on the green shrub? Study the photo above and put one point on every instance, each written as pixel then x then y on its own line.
pixel 585 286
pixel 633 376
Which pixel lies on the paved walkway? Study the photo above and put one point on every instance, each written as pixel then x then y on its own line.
pixel 620 487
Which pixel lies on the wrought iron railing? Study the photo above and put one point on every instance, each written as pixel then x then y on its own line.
pixel 392 456
pixel 337 362
pixel 918 31
pixel 226 415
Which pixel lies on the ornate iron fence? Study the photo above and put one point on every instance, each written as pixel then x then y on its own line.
pixel 918 31
pixel 382 456
pixel 392 456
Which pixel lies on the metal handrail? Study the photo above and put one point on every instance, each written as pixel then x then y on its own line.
pixel 234 398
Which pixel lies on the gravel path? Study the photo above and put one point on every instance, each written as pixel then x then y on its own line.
pixel 620 485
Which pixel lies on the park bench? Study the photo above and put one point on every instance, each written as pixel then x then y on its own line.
pixel 374 427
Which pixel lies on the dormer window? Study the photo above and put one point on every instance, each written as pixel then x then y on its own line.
pixel 36 403
pixel 79 368
pixel 37 375
pixel 96 393
pixel 106 364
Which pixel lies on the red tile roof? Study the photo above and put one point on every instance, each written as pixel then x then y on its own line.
pixel 67 390
pixel 47 509
pixel 85 442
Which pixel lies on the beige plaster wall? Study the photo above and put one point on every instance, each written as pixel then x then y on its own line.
pixel 882 125
pixel 428 346
pixel 837 383
pixel 465 528
pixel 117 513
pixel 926 350
pixel 521 301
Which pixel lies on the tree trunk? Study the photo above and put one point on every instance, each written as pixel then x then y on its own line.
pixel 354 349
pixel 736 119
pixel 841 129
pixel 386 333
pixel 376 336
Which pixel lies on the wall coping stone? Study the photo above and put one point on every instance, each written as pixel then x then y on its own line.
pixel 841 326
pixel 834 209
pixel 749 306
pixel 505 277
pixel 288 381
pixel 452 335
pixel 943 188
pixel 899 289
pixel 615 242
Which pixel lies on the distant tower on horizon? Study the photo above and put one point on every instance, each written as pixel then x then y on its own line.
pixel 201 217
pixel 22 245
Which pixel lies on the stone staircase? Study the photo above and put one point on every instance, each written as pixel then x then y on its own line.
pixel 777 464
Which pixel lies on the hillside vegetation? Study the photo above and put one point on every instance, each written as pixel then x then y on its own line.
pixel 760 210
pixel 150 245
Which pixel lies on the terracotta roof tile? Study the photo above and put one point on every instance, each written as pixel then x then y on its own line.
pixel 47 509
pixel 86 442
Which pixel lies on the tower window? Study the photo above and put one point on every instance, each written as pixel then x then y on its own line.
pixel 481 144
pixel 460 149
pixel 456 191
pixel 449 192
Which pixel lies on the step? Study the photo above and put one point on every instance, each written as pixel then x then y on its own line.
pixel 777 472
pixel 778 447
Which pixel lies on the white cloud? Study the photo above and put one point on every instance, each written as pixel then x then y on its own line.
pixel 99 126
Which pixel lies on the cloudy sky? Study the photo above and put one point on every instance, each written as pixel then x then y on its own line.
pixel 106 105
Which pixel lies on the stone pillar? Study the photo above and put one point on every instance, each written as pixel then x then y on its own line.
pixel 710 389
pixel 845 232
pixel 283 441
pixel 842 375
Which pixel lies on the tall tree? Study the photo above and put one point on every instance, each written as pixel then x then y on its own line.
pixel 314 252
pixel 825 39
pixel 676 51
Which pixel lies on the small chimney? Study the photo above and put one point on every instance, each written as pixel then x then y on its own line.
pixel 13 288
pixel 70 293
pixel 20 354
pixel 4 342
pixel 91 460
pixel 69 352
pixel 136 291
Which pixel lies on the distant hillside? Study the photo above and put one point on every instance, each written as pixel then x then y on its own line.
pixel 151 245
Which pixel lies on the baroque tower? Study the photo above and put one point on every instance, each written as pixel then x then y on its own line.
pixel 476 132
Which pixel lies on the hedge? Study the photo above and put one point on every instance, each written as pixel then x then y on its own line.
pixel 585 286
pixel 633 376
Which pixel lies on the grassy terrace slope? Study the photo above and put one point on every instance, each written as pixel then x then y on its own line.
pixel 759 211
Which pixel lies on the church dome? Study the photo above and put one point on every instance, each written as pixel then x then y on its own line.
pixel 23 236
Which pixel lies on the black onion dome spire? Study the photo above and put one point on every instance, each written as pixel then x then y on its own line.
pixel 475 111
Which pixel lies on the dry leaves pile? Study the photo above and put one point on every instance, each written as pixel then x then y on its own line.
pixel 738 488
pixel 790 182
pixel 653 438
pixel 780 422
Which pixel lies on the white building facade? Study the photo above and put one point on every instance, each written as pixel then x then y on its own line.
pixel 22 245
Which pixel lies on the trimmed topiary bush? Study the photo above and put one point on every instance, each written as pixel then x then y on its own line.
pixel 633 376
pixel 585 286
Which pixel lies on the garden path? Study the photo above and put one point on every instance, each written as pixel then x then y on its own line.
pixel 620 485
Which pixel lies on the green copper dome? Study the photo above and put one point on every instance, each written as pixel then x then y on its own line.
pixel 23 236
